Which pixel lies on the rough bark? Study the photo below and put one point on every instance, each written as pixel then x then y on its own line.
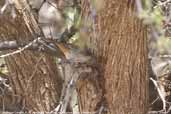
pixel 34 76
pixel 119 41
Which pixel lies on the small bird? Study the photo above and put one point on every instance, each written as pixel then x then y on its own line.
pixel 74 55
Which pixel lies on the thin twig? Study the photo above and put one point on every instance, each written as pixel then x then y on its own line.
pixel 21 49
pixel 161 92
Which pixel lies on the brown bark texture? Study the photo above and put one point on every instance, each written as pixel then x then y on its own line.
pixel 119 41
pixel 34 75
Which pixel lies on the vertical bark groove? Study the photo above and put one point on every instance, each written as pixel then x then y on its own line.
pixel 34 75
pixel 121 48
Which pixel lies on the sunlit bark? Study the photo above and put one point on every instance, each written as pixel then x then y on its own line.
pixel 119 41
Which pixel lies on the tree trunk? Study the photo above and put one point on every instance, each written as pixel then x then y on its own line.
pixel 34 75
pixel 119 41
pixel 119 83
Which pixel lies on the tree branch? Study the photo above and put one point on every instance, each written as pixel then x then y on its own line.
pixel 12 45
pixel 35 46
